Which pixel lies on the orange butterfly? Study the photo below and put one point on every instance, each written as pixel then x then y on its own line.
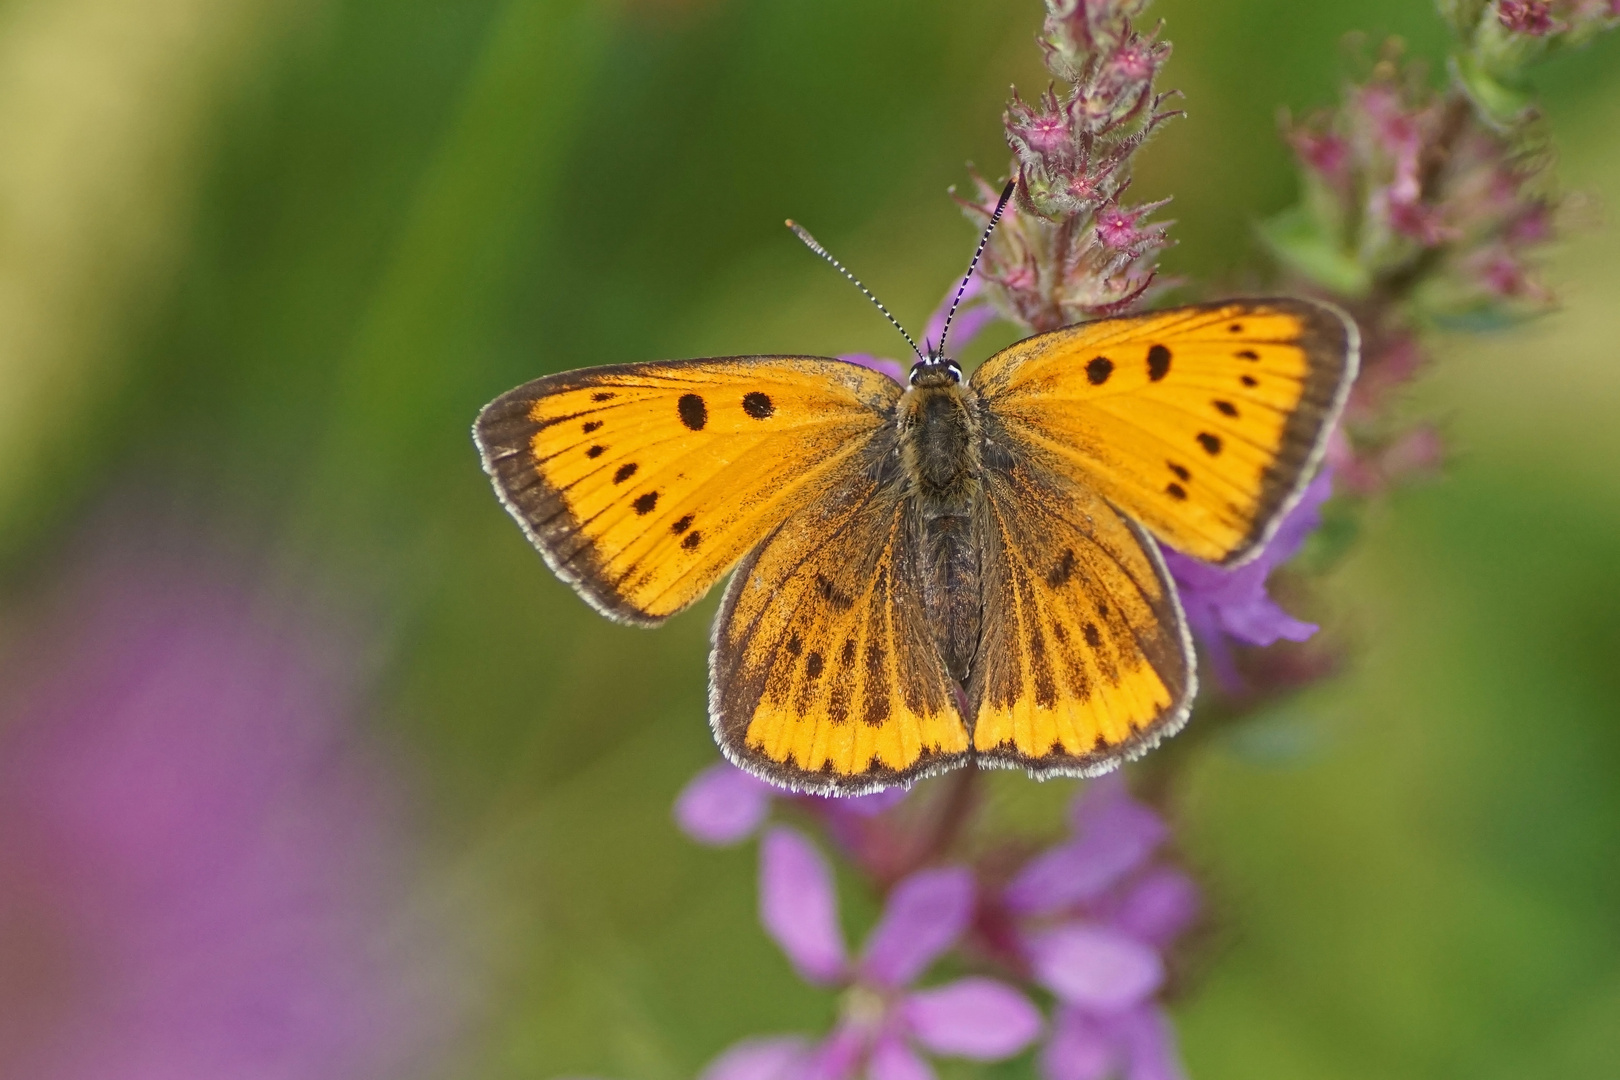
pixel 946 572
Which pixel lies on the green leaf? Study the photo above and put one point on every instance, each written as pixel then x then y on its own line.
pixel 1304 244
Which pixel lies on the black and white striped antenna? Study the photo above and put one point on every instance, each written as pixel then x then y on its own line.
pixel 1006 193
pixel 810 242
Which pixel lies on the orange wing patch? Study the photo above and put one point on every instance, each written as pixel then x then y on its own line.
pixel 1085 659
pixel 642 484
pixel 1203 423
pixel 824 675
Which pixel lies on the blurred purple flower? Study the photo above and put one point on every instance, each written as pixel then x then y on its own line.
pixel 194 856
pixel 1093 917
pixel 722 805
pixel 882 1020
pixel 1233 603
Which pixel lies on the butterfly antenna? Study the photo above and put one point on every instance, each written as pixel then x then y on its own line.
pixel 1006 193
pixel 810 242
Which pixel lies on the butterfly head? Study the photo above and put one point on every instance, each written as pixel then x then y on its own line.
pixel 935 370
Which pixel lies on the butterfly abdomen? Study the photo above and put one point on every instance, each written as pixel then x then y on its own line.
pixel 939 453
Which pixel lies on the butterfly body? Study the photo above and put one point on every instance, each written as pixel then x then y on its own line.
pixel 958 570
pixel 939 446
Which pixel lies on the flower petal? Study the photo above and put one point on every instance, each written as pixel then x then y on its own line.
pixel 1150 1045
pixel 1159 907
pixel 777 1057
pixel 1114 835
pixel 1096 967
pixel 798 906
pixel 892 1059
pixel 838 1056
pixel 974 1018
pixel 925 915
pixel 722 805
pixel 1080 1048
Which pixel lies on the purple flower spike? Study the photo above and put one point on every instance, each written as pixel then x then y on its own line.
pixel 1099 969
pixel 722 805
pixel 780 1058
pixel 1234 602
pixel 973 1018
pixel 798 907
pixel 925 916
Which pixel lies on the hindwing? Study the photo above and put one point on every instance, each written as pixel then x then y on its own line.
pixel 824 675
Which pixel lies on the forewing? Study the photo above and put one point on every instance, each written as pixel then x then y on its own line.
pixel 1203 423
pixel 1085 659
pixel 824 675
pixel 642 484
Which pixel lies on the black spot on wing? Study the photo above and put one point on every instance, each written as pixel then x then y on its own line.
pixel 644 503
pixel 1210 443
pixel 693 539
pixel 1180 471
pixel 1175 491
pixel 1225 408
pixel 694 413
pixel 1063 571
pixel 813 665
pixel 794 645
pixel 1235 328
pixel 1158 362
pixel 1247 354
pixel 757 405
pixel 682 525
pixel 1249 380
pixel 829 592
pixel 590 425
pixel 625 472
pixel 596 451
pixel 603 395
pixel 1098 370
pixel 1093 635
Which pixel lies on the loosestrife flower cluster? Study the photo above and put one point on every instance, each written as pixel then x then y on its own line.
pixel 1421 209
pixel 1076 249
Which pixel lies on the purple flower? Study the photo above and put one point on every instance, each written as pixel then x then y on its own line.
pixel 723 805
pixel 882 1021
pixel 1093 918
pixel 1233 603
pixel 197 843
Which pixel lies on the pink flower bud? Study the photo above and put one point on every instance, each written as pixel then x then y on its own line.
pixel 1326 153
pixel 1532 17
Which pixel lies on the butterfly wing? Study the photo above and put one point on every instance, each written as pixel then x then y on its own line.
pixel 825 676
pixel 641 484
pixel 1203 423
pixel 1085 659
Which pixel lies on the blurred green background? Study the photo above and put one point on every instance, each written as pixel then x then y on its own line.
pixel 266 259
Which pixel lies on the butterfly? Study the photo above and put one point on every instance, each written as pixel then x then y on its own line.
pixel 955 570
